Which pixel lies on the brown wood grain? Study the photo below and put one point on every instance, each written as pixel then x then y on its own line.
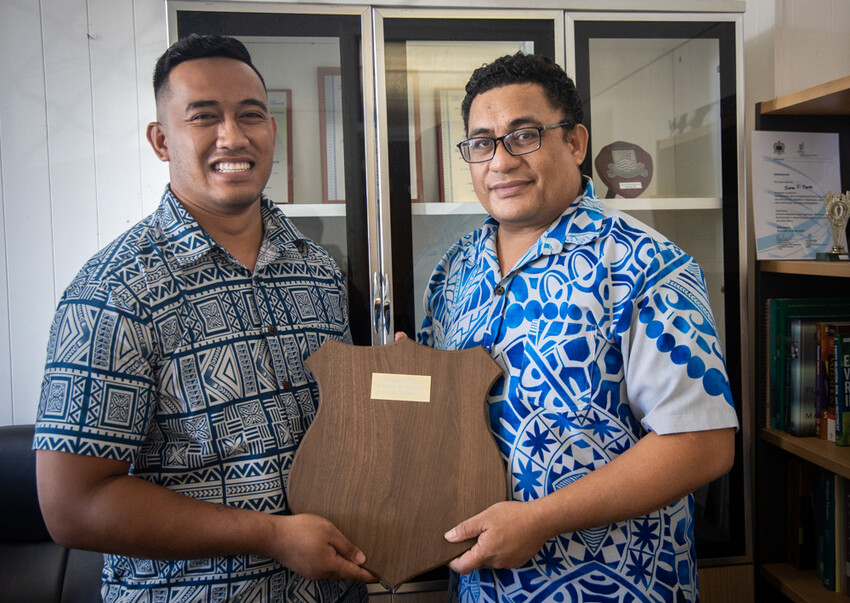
pixel 394 475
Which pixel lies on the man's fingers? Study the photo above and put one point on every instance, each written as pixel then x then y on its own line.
pixel 467 562
pixel 351 560
pixel 352 571
pixel 347 550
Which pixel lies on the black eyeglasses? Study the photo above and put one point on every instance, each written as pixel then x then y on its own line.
pixel 519 142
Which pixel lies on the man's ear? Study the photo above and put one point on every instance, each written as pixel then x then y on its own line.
pixel 158 140
pixel 578 142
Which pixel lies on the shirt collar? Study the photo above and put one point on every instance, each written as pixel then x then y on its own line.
pixel 189 242
pixel 580 223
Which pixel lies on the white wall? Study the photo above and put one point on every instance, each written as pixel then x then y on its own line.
pixel 75 169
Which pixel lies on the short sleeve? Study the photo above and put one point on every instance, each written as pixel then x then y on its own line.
pixel 98 386
pixel 675 372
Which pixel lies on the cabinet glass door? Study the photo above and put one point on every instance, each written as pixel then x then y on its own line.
pixel 311 62
pixel 427 60
pixel 661 103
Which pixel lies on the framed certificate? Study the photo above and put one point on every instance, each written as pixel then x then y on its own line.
pixel 455 179
pixel 279 186
pixel 330 138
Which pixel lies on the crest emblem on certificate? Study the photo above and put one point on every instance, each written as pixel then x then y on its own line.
pixel 400 451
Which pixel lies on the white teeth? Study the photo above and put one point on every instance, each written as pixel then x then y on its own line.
pixel 232 167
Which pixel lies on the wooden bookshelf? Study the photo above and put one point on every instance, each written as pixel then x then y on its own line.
pixel 831 98
pixel 806 267
pixel 823 108
pixel 820 452
pixel 799 586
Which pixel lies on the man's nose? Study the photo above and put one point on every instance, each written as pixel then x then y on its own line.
pixel 502 160
pixel 231 135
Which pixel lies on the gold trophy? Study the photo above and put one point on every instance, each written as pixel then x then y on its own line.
pixel 837 212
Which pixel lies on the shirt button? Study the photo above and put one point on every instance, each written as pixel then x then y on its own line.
pixel 286 385
pixel 499 290
pixel 272 330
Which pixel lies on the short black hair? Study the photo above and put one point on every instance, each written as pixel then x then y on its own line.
pixel 522 68
pixel 196 46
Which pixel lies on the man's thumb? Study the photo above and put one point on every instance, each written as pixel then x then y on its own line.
pixel 463 531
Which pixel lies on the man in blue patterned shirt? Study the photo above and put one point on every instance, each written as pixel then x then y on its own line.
pixel 615 404
pixel 175 394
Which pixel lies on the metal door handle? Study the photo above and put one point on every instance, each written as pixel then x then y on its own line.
pixel 385 291
pixel 376 293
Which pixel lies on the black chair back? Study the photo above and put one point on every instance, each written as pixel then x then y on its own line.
pixel 33 568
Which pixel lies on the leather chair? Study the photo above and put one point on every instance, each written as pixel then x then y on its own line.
pixel 33 568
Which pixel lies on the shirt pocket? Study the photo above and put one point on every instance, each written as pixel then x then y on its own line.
pixel 559 367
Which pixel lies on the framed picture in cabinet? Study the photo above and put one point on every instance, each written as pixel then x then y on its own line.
pixel 455 180
pixel 331 138
pixel 279 187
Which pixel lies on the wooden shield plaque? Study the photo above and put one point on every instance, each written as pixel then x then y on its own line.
pixel 400 451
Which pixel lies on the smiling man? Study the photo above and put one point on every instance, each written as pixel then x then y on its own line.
pixel 615 404
pixel 175 395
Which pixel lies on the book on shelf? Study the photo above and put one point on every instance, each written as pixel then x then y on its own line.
pixel 802 418
pixel 833 532
pixel 825 529
pixel 827 428
pixel 838 534
pixel 841 383
pixel 802 507
pixel 779 314
pixel 845 536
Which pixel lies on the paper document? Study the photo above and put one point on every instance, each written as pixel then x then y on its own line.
pixel 792 173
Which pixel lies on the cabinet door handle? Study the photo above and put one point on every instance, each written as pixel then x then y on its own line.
pixel 376 296
pixel 385 293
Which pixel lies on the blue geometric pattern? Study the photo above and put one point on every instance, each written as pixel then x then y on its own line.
pixel 168 353
pixel 604 331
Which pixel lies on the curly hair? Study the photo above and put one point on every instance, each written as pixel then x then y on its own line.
pixel 196 46
pixel 522 68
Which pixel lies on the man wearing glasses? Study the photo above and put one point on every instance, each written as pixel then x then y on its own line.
pixel 615 404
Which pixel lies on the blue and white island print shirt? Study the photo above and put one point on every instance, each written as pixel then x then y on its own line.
pixel 604 332
pixel 168 353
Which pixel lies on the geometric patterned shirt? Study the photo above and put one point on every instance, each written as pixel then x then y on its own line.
pixel 170 354
pixel 604 332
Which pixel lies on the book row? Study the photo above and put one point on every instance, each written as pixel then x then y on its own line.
pixel 818 533
pixel 808 360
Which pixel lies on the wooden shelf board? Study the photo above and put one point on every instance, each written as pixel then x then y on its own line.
pixel 806 267
pixel 822 453
pixel 799 586
pixel 830 98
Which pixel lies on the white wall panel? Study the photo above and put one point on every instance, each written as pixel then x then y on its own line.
pixel 26 197
pixel 151 42
pixel 5 357
pixel 812 45
pixel 116 116
pixel 67 83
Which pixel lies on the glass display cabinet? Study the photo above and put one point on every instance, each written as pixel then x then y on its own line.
pixel 663 105
pixel 312 61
